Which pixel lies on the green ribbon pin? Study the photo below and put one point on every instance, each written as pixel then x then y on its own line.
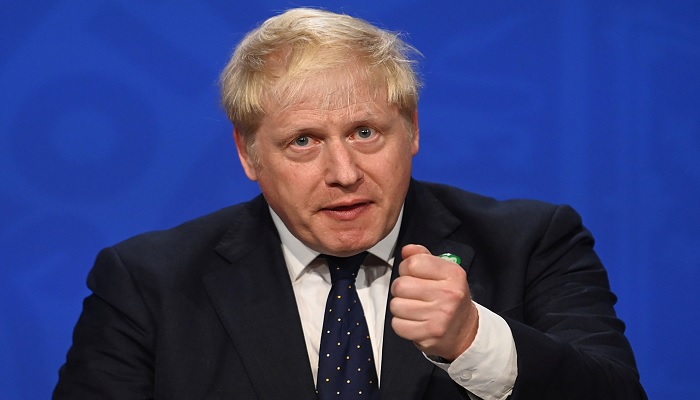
pixel 451 257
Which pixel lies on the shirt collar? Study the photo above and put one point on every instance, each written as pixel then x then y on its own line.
pixel 298 256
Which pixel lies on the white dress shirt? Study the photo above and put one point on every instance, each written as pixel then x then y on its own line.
pixel 487 369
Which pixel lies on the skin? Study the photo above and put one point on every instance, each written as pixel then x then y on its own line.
pixel 337 174
pixel 432 304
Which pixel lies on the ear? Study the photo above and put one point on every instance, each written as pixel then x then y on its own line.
pixel 247 161
pixel 415 141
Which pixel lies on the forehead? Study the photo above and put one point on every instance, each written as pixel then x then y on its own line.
pixel 330 90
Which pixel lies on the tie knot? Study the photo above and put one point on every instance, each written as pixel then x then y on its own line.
pixel 345 267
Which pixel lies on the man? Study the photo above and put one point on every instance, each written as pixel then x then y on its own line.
pixel 232 305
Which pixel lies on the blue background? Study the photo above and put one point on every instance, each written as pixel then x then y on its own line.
pixel 110 126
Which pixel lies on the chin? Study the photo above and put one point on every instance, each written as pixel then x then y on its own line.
pixel 350 246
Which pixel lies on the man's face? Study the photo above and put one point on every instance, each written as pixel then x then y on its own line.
pixel 337 176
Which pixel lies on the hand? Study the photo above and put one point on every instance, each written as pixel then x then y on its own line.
pixel 432 304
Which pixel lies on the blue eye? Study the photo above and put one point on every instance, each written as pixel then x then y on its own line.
pixel 302 141
pixel 365 132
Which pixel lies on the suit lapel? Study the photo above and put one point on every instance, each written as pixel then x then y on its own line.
pixel 405 371
pixel 254 298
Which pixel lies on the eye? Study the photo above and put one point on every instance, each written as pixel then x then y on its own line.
pixel 302 141
pixel 365 132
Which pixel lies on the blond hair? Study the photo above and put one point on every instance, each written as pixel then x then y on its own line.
pixel 275 61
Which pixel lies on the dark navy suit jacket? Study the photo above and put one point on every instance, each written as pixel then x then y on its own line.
pixel 206 310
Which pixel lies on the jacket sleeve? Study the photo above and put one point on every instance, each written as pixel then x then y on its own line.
pixel 570 343
pixel 112 352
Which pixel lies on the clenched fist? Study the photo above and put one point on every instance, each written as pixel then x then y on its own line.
pixel 432 305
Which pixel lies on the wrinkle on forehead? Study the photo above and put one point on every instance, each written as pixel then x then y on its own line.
pixel 330 90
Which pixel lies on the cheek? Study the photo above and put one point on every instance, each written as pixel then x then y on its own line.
pixel 284 187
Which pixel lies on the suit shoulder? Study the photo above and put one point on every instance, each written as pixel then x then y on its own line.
pixel 201 228
pixel 493 224
pixel 459 200
pixel 185 243
pixel 490 214
pixel 158 261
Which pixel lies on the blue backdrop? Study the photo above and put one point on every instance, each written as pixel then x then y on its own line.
pixel 110 126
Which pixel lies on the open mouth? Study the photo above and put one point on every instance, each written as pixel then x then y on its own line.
pixel 346 212
pixel 348 208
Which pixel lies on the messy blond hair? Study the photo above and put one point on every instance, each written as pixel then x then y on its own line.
pixel 274 62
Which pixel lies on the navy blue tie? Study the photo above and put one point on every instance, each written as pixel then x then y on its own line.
pixel 346 367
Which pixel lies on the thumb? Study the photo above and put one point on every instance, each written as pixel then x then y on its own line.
pixel 413 249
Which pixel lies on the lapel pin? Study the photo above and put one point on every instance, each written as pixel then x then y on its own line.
pixel 451 257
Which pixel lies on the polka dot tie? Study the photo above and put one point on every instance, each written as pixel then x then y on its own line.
pixel 346 367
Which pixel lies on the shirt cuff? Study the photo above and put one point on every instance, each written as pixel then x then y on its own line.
pixel 489 367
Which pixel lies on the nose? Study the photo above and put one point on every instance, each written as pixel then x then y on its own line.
pixel 341 165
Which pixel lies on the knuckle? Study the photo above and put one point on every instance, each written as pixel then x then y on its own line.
pixel 404 268
pixel 453 294
pixel 437 330
pixel 457 272
pixel 399 326
pixel 398 286
pixel 395 305
pixel 457 295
